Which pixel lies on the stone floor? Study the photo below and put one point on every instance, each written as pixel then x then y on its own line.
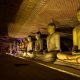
pixel 13 68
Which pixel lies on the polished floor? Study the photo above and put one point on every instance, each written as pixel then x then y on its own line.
pixel 12 68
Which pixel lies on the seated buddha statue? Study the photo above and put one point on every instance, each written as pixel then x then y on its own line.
pixel 17 48
pixel 14 48
pixel 10 48
pixel 38 43
pixel 75 57
pixel 25 44
pixel 22 45
pixel 53 39
pixel 53 44
pixel 29 47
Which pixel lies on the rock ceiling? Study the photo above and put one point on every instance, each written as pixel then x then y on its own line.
pixel 34 15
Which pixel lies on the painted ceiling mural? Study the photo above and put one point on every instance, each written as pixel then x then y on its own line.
pixel 34 15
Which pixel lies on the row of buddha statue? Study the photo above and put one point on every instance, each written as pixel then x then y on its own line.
pixel 53 51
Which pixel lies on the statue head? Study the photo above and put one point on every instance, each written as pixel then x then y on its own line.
pixel 51 28
pixel 78 15
pixel 38 35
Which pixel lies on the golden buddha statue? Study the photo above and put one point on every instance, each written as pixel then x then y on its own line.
pixel 53 44
pixel 75 57
pixel 76 36
pixel 29 44
pixel 38 43
pixel 29 47
pixel 53 40
pixel 22 45
pixel 25 44
pixel 10 48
